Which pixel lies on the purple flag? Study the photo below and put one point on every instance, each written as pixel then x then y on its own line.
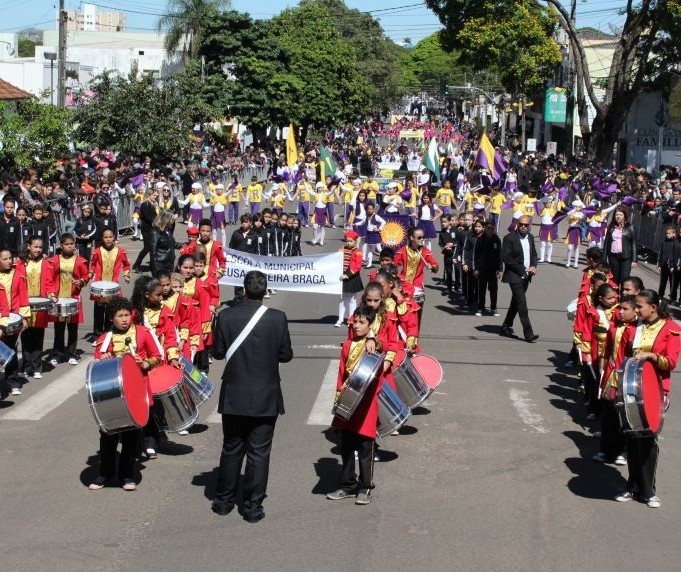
pixel 631 201
pixel 500 165
pixel 558 217
pixel 508 204
pixel 563 194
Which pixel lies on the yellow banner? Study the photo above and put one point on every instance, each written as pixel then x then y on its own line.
pixel 411 134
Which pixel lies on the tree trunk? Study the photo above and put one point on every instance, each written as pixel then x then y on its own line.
pixel 605 129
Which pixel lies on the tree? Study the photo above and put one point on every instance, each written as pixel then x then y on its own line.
pixel 26 47
pixel 186 20
pixel 140 116
pixel 649 44
pixel 427 64
pixel 34 136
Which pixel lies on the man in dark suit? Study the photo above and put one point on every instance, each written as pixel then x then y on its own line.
pixel 250 396
pixel 520 264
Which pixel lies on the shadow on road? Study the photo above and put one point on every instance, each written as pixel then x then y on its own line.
pixel 420 410
pixel 91 472
pixel 324 320
pixel 208 480
pixel 328 471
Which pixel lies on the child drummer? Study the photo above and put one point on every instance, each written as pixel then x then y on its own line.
pixel 108 261
pixel 358 434
pixel 124 337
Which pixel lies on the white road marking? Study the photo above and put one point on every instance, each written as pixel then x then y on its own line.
pixel 516 381
pixel 524 406
pixel 324 347
pixel 52 396
pixel 321 410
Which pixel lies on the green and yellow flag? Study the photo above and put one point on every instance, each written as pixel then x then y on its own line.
pixel 327 164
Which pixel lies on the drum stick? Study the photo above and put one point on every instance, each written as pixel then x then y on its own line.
pixel 128 344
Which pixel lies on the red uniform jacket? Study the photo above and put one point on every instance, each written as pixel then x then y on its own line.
pixel 667 345
pixel 165 332
pixel 17 298
pixel 187 321
pixel 121 264
pixel 4 306
pixel 214 255
pixel 593 330
pixel 615 354
pixel 39 319
pixel 211 293
pixel 80 272
pixel 401 260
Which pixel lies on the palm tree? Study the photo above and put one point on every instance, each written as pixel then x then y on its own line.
pixel 184 22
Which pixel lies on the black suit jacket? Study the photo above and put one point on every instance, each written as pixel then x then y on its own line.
pixel 514 259
pixel 251 382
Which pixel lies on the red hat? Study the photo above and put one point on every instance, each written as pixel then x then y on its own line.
pixel 193 231
pixel 350 235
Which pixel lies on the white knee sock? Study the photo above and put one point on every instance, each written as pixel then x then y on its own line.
pixel 542 250
pixel 315 234
pixel 352 304
pixel 576 256
pixel 322 232
pixel 214 234
pixel 369 257
pixel 549 251
pixel 224 236
pixel 341 308
pixel 569 253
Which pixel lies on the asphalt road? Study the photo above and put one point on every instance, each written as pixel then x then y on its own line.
pixel 494 473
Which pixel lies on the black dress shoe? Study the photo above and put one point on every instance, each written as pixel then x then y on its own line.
pixel 222 509
pixel 533 338
pixel 506 332
pixel 254 517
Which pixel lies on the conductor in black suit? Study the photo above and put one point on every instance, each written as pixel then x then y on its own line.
pixel 520 264
pixel 250 396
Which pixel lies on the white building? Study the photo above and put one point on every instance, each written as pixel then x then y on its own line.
pixel 90 19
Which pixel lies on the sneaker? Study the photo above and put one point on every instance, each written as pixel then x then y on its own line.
pixel 624 496
pixel 73 361
pixel 620 460
pixel 267 295
pixel 54 362
pixel 22 375
pixel 183 432
pixel 599 457
pixel 273 291
pixel 364 497
pixel 16 391
pixel 338 324
pixel 395 432
pixel 341 494
pixel 37 375
pixel 129 485
pixel 591 417
pixel 652 502
pixel 150 453
pixel 495 313
pixel 98 483
pixel 478 313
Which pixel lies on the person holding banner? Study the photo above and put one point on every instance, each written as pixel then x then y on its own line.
pixel 352 281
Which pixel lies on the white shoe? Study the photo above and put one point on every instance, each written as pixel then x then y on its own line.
pixel 73 361
pixel 548 261
pixel 54 362
pixel 267 295
pixel 183 432
pixel 22 375
pixel 37 375
pixel 338 324
pixel 620 460
pixel 654 502
pixel 16 391
pixel 567 265
pixel 541 260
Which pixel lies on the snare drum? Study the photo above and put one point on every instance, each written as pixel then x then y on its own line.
pixel 174 408
pixel 6 355
pixel 365 371
pixel 103 291
pixel 410 386
pixel 39 304
pixel 199 385
pixel 392 411
pixel 639 400
pixel 572 310
pixel 64 308
pixel 117 394
pixel 429 369
pixel 14 324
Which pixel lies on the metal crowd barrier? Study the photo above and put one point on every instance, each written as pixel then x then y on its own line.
pixel 649 231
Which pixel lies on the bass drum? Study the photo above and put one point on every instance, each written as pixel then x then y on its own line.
pixel 411 387
pixel 117 394
pixel 198 384
pixel 6 356
pixel 174 408
pixel 572 310
pixel 429 369
pixel 365 371
pixel 392 411
pixel 639 399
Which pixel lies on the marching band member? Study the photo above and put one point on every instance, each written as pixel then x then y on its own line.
pixel 218 203
pixel 319 221
pixel 124 337
pixel 575 218
pixel 254 195
pixel 70 275
pixel 617 346
pixel 208 284
pixel 39 274
pixel 426 216
pixel 197 202
pixel 399 308
pixel 303 195
pixel 548 231
pixel 185 266
pixel 108 261
pixel 656 340
pixel 185 311
pixel 372 242
pixel 215 255
pixel 358 434
pixel 595 224
pixel 234 192
pixel 352 281
pixel 192 239
pixel 15 293
pixel 412 259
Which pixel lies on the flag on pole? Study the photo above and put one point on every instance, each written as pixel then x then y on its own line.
pixel 432 159
pixel 490 158
pixel 327 163
pixel 291 148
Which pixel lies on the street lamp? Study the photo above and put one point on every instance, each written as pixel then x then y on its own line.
pixel 52 56
pixel 10 48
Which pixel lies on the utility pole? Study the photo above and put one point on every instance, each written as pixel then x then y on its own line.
pixel 61 61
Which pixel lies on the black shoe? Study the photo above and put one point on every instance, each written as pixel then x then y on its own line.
pixel 136 270
pixel 506 332
pixel 222 509
pixel 254 517
pixel 531 339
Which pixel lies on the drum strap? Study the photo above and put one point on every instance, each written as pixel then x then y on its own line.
pixel 637 336
pixel 244 333
pixel 152 331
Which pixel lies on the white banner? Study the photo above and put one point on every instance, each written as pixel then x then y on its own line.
pixel 318 273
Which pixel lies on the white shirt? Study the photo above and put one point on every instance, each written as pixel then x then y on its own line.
pixel 525 243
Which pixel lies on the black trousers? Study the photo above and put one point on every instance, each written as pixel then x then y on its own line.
pixel 464 281
pixel 448 270
pixel 101 322
pixel 590 379
pixel 69 349
pixel 518 306
pixel 151 432
pixel 612 441
pixel 12 367
pixel 351 442
pixel 642 454
pixel 471 290
pixel 201 360
pixel 32 340
pixel 675 279
pixel 252 437
pixel 108 444
pixel 487 281
pixel 666 276
pixel 457 277
pixel 147 235
pixel 620 267
pixel 85 250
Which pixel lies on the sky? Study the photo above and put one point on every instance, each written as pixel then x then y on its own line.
pixel 400 18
